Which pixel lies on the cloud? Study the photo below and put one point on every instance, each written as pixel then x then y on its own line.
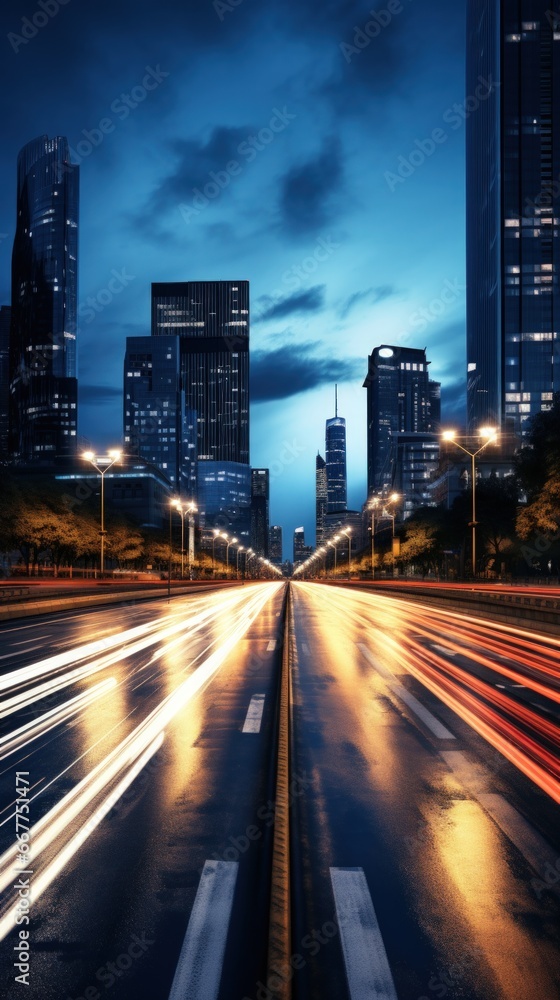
pixel 371 295
pixel 93 394
pixel 288 371
pixel 308 190
pixel 453 402
pixel 312 300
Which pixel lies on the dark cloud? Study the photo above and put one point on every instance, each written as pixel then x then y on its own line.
pixel 288 371
pixel 312 300
pixel 98 394
pixel 370 295
pixel 195 163
pixel 453 402
pixel 308 190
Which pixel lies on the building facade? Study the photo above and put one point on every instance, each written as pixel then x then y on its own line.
pixel 335 456
pixel 401 398
pixel 275 544
pixel 260 506
pixel 211 320
pixel 5 322
pixel 321 497
pixel 43 376
pixel 157 426
pixel 513 212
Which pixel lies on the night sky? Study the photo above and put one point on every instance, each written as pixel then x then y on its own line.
pixel 257 141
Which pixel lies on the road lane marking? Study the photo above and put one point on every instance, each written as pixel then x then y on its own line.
pixel 199 969
pixel 367 966
pixel 271 646
pixel 434 725
pixel 21 652
pixel 534 848
pixel 253 720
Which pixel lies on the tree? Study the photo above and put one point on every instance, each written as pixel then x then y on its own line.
pixel 420 546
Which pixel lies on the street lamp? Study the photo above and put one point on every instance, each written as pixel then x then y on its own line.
pixel 217 534
pixel 239 549
pixel 102 464
pixel 348 533
pixel 333 546
pixel 491 436
pixel 229 542
pixel 372 506
pixel 186 507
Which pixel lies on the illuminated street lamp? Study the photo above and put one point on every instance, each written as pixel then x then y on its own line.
pixel 186 507
pixel 348 533
pixel 217 534
pixel 374 502
pixel 239 549
pixel 229 541
pixel 490 434
pixel 102 464
pixel 332 543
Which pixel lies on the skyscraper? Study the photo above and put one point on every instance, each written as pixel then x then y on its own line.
pixel 275 544
pixel 320 498
pixel 157 426
pixel 43 378
pixel 335 451
pixel 5 320
pixel 401 400
pixel 211 319
pixel 260 517
pixel 513 211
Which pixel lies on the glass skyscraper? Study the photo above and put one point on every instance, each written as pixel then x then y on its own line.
pixel 335 454
pixel 5 322
pixel 320 498
pixel 211 320
pixel 400 398
pixel 43 377
pixel 260 510
pixel 157 426
pixel 513 211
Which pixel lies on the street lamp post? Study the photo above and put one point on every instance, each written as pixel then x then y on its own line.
pixel 216 535
pixel 239 549
pixel 491 435
pixel 333 546
pixel 188 508
pixel 348 533
pixel 373 504
pixel 107 462
pixel 229 542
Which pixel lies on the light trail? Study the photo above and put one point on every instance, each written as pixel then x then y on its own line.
pixel 518 730
pixel 124 762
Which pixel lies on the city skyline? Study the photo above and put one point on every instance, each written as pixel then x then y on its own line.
pixel 311 213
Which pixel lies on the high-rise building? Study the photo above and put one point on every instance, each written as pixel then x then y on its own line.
pixel 401 399
pixel 43 378
pixel 301 550
pixel 335 452
pixel 157 426
pixel 211 319
pixel 513 211
pixel 5 319
pixel 275 544
pixel 320 498
pixel 260 518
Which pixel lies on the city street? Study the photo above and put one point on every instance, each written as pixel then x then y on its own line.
pixel 138 751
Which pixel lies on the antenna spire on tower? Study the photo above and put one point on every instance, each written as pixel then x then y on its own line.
pixel 336 399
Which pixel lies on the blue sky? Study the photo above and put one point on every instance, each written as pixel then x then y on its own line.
pixel 314 150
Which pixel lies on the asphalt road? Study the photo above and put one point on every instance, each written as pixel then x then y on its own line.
pixel 425 791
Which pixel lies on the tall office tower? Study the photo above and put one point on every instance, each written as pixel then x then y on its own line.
pixel 401 399
pixel 156 424
pixel 5 319
pixel 300 548
pixel 211 318
pixel 335 451
pixel 43 380
pixel 320 498
pixel 260 517
pixel 513 211
pixel 275 544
